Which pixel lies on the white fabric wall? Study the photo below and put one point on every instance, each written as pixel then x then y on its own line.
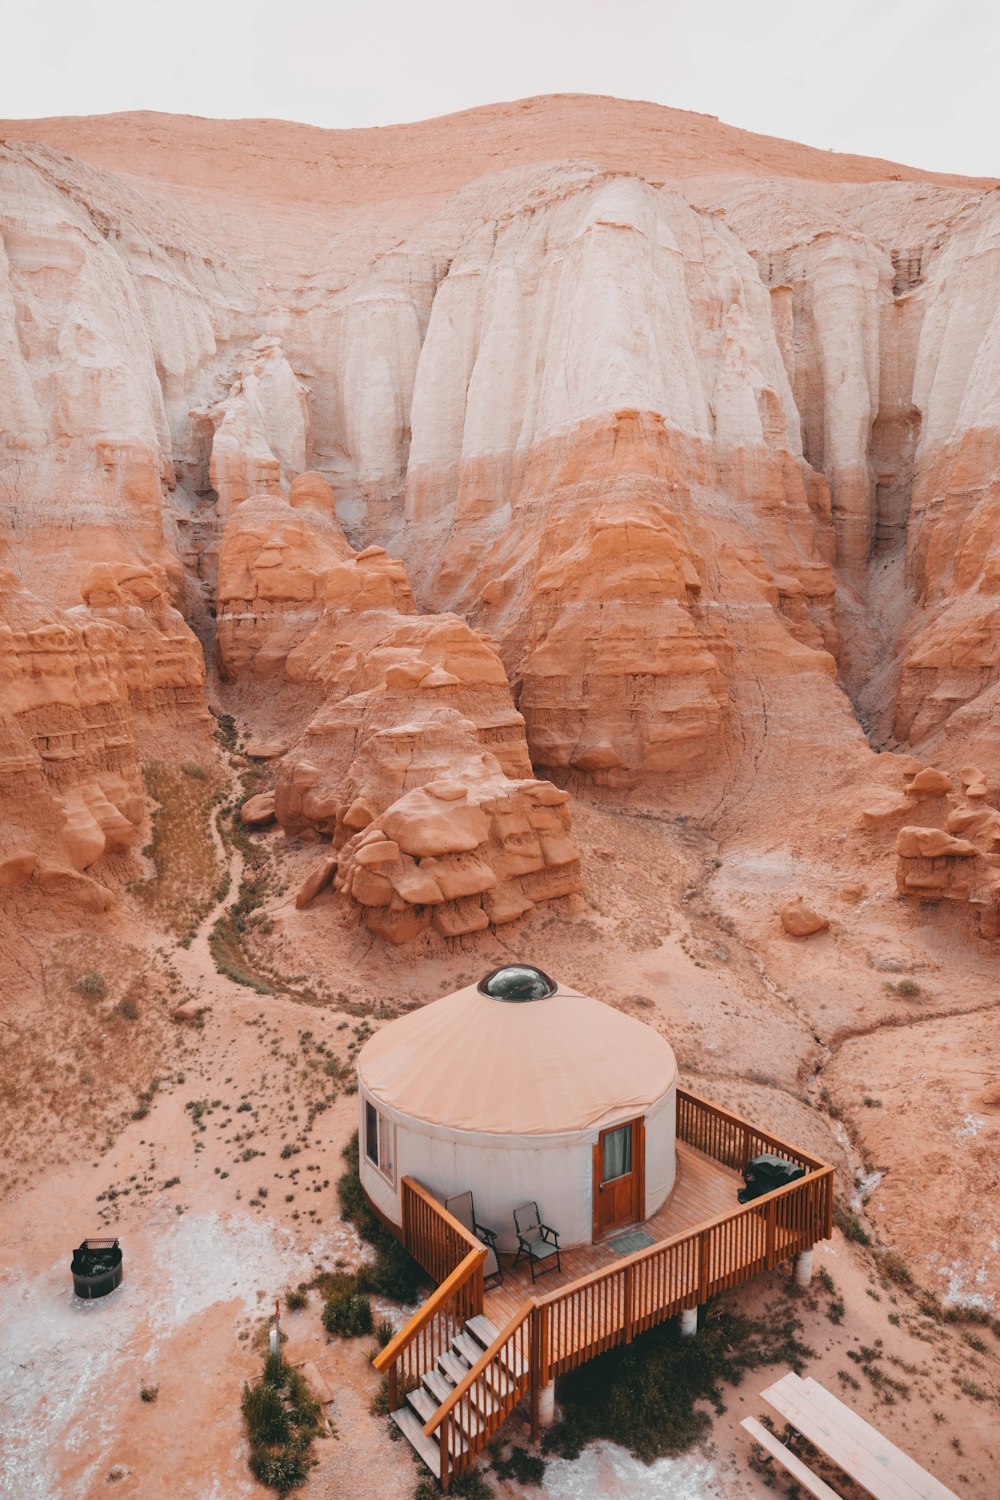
pixel 505 1171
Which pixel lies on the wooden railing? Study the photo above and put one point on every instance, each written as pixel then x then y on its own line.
pixel 729 1139
pixel 485 1397
pixel 450 1254
pixel 573 1324
pixel 435 1239
pixel 614 1304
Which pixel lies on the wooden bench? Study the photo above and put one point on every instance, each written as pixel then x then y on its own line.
pixel 789 1460
pixel 884 1470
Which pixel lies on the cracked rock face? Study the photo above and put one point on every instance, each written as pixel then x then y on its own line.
pixel 413 759
pixel 681 443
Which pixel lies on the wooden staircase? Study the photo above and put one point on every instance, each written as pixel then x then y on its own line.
pixel 503 1380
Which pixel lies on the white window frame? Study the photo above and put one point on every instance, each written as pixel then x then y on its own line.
pixel 385 1144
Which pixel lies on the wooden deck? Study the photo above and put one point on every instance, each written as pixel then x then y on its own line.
pixel 703 1189
pixel 702 1241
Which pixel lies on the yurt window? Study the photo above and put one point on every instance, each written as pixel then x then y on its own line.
pixel 378 1140
pixel 616 1149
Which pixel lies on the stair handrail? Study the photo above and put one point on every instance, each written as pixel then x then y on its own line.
pixel 483 1362
pixel 424 1314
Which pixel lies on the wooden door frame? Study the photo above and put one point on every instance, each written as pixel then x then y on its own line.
pixel 638 1125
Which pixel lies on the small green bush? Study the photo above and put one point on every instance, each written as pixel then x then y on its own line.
pixel 908 987
pixel 348 1314
pixel 520 1465
pixel 93 985
pixel 283 1471
pixel 264 1413
pixel 282 1418
pixel 296 1298
pixel 893 1267
pixel 849 1224
pixel 384 1331
pixel 394 1273
pixel 646 1395
pixel 128 1008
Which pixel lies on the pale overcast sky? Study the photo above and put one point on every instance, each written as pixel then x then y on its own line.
pixel 913 80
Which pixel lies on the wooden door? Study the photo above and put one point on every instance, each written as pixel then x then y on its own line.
pixel 619 1177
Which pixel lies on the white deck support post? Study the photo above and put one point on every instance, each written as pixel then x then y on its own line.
pixel 547 1404
pixel 804 1267
pixel 689 1322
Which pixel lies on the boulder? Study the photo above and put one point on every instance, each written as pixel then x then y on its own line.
pixel 377 852
pixel 310 488
pixel 930 783
pixel 319 876
pixel 258 811
pixel 265 749
pixel 423 824
pixel 800 920
pixel 932 843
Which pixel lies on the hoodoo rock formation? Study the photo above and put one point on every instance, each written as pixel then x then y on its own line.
pixel 406 748
pixel 80 689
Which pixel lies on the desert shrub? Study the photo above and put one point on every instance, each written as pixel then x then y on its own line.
pixel 472 1485
pixel 264 1413
pixel 283 1471
pixel 849 1224
pixel 282 1418
pixel 908 987
pixel 384 1331
pixel 148 1392
pixel 348 1313
pixel 394 1273
pixel 296 1298
pixel 893 1267
pixel 645 1395
pixel 93 985
pixel 192 768
pixel 128 1008
pixel 519 1465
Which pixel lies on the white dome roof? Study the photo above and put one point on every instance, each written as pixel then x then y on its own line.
pixel 539 1066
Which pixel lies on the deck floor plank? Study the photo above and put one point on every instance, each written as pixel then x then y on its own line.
pixel 703 1188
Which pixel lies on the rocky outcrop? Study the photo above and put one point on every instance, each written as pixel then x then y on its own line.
pixel 260 430
pixel 409 755
pixel 80 690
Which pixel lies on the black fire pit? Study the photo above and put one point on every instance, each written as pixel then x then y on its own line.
pixel 97 1268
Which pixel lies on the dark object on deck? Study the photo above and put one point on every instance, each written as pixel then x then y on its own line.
pixel 762 1173
pixel 97 1268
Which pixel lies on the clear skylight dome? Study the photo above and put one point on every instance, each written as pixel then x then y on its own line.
pixel 517 982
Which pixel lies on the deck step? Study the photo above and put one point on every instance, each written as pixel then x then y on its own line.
pixel 453 1365
pixel 482 1329
pixel 412 1429
pixel 498 1376
pixel 440 1388
pixel 497 1382
pixel 423 1404
pixel 439 1385
pixel 485 1332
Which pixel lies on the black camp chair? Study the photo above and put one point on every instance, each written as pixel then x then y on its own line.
pixel 538 1241
pixel 462 1208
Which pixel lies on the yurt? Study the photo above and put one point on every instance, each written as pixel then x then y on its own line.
pixel 521 1089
